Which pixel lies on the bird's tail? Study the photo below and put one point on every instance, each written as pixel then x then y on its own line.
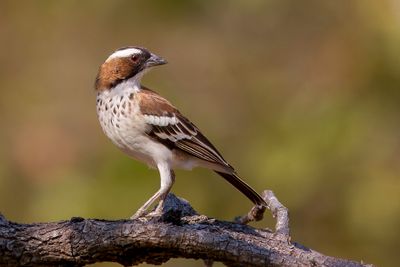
pixel 249 192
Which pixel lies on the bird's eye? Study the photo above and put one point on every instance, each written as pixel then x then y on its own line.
pixel 134 58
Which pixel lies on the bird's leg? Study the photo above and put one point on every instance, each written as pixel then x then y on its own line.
pixel 162 197
pixel 167 180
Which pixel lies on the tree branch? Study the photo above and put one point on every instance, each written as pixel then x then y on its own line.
pixel 179 233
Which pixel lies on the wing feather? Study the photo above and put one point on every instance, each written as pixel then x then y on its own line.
pixel 170 127
pixel 175 131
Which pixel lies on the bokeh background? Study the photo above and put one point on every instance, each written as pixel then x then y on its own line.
pixel 302 97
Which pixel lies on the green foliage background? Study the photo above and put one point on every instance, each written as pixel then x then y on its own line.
pixel 302 97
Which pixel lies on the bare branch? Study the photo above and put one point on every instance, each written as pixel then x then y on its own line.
pixel 179 233
pixel 280 212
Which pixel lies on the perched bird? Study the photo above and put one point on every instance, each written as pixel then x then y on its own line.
pixel 150 129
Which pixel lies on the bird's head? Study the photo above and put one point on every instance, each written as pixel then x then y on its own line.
pixel 127 63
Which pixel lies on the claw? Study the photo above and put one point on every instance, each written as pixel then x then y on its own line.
pixel 138 214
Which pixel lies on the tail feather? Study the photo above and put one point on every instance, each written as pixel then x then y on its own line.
pixel 249 192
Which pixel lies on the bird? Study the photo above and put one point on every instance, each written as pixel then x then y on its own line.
pixel 148 128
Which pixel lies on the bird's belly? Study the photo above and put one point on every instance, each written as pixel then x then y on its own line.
pixel 129 134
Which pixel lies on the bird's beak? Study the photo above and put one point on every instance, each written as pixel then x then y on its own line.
pixel 155 60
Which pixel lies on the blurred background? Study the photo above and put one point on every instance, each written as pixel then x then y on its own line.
pixel 302 97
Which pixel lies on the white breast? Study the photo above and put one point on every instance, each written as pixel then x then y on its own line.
pixel 119 115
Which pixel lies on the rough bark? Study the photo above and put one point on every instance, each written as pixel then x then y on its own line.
pixel 179 233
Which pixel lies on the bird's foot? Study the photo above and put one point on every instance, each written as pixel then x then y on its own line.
pixel 155 213
pixel 158 211
pixel 160 206
pixel 138 214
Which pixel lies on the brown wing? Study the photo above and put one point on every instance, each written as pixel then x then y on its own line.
pixel 171 128
pixel 175 131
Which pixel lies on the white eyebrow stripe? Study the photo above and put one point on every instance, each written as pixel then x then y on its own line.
pixel 124 53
